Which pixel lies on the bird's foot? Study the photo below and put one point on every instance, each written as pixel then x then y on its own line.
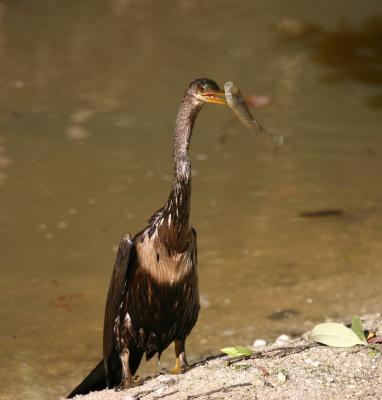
pixel 180 367
pixel 138 380
pixel 129 383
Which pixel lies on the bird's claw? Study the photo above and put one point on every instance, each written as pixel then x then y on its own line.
pixel 129 383
pixel 180 368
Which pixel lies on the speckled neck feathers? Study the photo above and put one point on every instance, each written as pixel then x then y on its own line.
pixel 172 221
pixel 179 201
pixel 184 125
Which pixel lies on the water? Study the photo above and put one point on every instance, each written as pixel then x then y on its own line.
pixel 89 92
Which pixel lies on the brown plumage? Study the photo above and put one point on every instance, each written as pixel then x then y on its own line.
pixel 153 296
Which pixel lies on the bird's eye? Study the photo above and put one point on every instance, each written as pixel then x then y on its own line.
pixel 201 88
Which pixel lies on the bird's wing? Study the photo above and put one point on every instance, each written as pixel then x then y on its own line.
pixel 195 260
pixel 114 295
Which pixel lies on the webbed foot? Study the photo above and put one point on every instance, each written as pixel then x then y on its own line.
pixel 180 367
pixel 181 364
pixel 129 383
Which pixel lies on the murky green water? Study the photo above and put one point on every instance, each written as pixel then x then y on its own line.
pixel 88 96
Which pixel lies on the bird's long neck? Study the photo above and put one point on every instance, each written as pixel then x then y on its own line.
pixel 183 130
pixel 179 201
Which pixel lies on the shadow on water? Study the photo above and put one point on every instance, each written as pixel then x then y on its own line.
pixel 352 53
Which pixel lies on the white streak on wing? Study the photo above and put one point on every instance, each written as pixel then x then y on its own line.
pixel 127 323
pixel 127 319
pixel 169 219
pixel 115 328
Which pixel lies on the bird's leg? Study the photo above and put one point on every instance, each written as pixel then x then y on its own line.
pixel 159 366
pixel 181 364
pixel 126 376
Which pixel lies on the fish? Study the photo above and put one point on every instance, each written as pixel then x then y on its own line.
pixel 237 104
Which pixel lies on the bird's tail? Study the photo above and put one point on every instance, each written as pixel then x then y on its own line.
pixel 95 381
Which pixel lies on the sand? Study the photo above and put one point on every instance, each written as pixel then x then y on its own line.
pixel 296 370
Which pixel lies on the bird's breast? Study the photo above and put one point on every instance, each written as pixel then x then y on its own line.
pixel 161 302
pixel 163 266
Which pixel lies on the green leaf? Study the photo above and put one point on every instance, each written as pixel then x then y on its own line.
pixel 373 353
pixel 334 335
pixel 237 351
pixel 231 351
pixel 245 351
pixel 357 328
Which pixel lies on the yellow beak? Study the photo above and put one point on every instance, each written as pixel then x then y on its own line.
pixel 217 97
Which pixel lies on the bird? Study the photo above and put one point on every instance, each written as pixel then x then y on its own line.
pixel 153 296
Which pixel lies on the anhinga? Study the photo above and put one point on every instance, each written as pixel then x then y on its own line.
pixel 153 296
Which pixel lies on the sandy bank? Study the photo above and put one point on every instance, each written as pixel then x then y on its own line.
pixel 295 371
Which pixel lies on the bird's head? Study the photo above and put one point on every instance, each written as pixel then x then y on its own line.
pixel 205 90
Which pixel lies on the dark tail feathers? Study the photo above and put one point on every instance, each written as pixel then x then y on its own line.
pixel 95 381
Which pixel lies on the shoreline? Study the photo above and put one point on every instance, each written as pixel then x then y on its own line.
pixel 297 369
